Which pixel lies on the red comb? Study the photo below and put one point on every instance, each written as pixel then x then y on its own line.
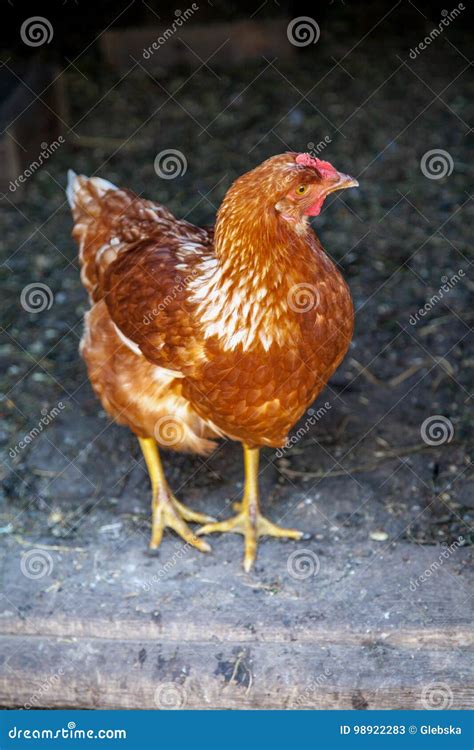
pixel 324 167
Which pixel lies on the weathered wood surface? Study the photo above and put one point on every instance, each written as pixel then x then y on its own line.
pixel 111 627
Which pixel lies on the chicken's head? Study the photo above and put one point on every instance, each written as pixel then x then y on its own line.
pixel 280 193
pixel 306 182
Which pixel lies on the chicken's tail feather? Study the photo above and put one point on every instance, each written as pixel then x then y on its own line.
pixel 82 192
pixel 85 196
pixel 71 178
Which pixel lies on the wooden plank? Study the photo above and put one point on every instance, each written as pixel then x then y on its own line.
pixel 88 673
pixel 107 627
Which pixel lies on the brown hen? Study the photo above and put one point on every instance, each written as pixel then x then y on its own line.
pixel 194 334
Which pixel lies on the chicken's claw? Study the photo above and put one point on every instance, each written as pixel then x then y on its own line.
pixel 190 515
pixel 252 527
pixel 249 521
pixel 166 510
pixel 169 512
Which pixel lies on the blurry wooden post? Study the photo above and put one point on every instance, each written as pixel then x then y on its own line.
pixel 32 117
pixel 166 46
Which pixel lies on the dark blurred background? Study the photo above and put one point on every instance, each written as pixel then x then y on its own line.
pixel 77 23
pixel 384 91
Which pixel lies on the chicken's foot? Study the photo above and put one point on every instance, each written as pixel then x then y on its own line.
pixel 249 520
pixel 166 509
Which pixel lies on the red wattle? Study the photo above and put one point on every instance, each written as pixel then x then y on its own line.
pixel 315 209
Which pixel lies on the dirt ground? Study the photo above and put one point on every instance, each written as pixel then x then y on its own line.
pixel 368 477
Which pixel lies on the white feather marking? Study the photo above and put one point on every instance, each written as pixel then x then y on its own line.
pixel 71 178
pixel 163 373
pixel 227 312
pixel 102 185
pixel 128 342
pixel 72 186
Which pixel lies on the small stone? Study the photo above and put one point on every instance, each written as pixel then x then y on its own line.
pixel 378 536
pixel 40 377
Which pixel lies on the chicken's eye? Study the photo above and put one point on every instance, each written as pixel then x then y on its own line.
pixel 301 189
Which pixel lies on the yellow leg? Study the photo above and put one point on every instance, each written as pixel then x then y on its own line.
pixel 249 520
pixel 166 509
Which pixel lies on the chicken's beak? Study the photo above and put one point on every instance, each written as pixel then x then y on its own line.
pixel 344 181
pixel 339 182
